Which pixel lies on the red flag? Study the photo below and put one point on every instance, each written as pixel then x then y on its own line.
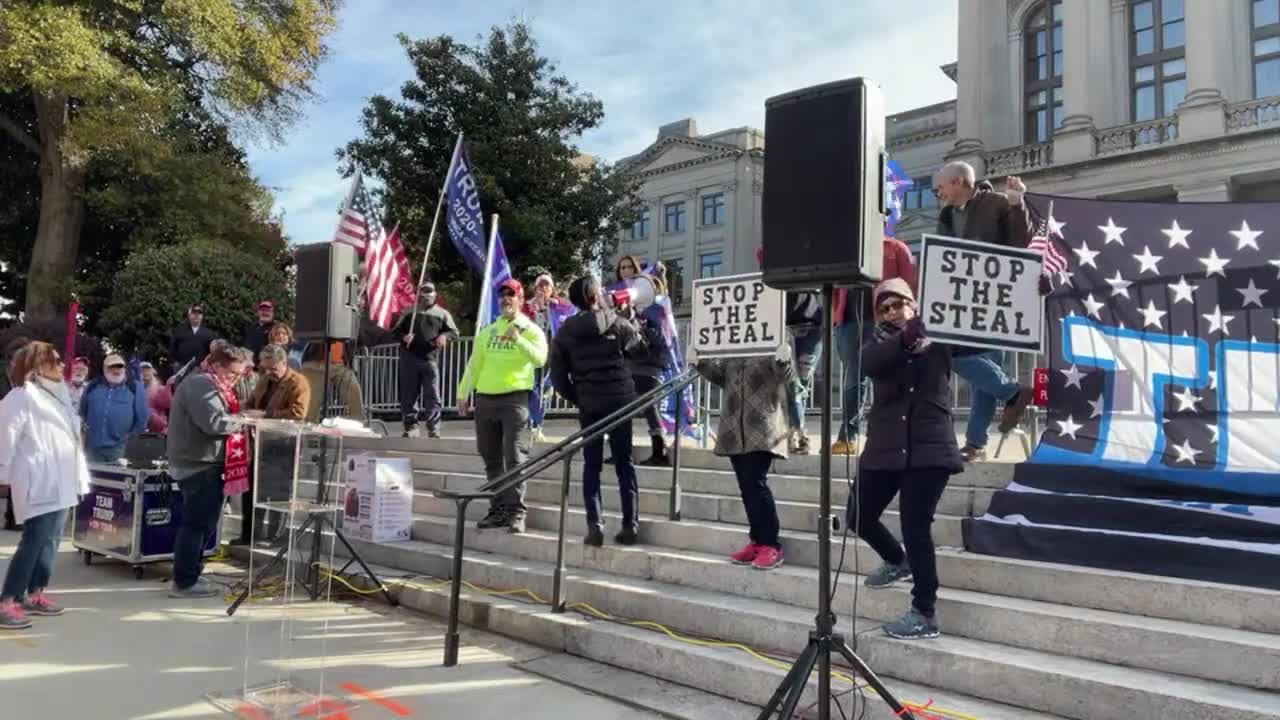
pixel 69 344
pixel 389 286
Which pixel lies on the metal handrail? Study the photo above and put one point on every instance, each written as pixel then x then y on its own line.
pixel 562 451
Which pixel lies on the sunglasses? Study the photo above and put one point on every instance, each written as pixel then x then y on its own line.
pixel 506 292
pixel 892 305
pixel 115 367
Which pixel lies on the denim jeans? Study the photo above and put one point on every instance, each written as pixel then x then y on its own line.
pixel 109 454
pixel 920 490
pixel 848 339
pixel 31 566
pixel 989 386
pixel 807 347
pixel 593 464
pixel 201 511
pixel 752 470
pixel 419 383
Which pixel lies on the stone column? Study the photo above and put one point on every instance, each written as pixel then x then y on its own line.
pixel 1086 32
pixel 1206 190
pixel 1210 68
pixel 982 86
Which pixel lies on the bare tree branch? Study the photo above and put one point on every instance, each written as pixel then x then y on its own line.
pixel 17 133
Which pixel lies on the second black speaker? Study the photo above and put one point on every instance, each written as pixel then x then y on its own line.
pixel 824 203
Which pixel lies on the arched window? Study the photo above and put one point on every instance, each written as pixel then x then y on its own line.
pixel 1042 78
pixel 1158 57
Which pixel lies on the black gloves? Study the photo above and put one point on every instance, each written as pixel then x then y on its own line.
pixel 913 333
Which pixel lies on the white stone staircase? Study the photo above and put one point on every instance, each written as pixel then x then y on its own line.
pixel 1021 639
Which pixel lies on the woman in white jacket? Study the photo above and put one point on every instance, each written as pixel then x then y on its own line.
pixel 42 462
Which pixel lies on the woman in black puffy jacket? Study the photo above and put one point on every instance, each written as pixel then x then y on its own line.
pixel 911 450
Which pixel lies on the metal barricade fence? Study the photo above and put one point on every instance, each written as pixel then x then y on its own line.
pixel 378 370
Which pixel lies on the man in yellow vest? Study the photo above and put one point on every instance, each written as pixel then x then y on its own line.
pixel 501 371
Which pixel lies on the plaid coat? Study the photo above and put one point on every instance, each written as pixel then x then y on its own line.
pixel 752 415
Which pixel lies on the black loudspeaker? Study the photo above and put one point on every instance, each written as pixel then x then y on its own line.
pixel 824 204
pixel 328 284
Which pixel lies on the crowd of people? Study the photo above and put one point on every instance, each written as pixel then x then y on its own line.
pixel 600 354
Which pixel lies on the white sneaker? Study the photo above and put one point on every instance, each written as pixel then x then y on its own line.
pixel 413 432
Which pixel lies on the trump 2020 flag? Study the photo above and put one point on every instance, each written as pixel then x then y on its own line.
pixel 465 218
pixel 496 271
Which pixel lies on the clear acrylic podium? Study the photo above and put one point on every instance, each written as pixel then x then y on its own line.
pixel 299 483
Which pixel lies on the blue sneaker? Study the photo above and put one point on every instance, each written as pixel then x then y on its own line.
pixel 887 574
pixel 913 626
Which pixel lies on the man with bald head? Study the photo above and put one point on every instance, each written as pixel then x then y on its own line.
pixel 974 211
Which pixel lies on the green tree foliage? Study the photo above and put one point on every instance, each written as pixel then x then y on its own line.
pixel 559 209
pixel 157 285
pixel 131 78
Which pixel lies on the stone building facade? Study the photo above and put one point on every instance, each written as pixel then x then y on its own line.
pixel 1172 100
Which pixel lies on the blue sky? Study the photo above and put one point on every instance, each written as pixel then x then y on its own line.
pixel 650 62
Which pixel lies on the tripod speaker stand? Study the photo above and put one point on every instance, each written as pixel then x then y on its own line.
pixel 823 640
pixel 316 522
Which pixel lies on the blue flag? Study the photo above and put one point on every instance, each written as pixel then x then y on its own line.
pixel 466 221
pixel 896 182
pixel 496 271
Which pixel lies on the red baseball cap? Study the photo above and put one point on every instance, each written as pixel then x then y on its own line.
pixel 266 305
pixel 513 285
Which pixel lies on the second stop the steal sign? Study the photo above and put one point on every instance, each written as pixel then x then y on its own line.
pixel 737 316
pixel 979 294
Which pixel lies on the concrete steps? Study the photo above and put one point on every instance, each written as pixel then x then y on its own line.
pixel 1029 639
pixel 1036 680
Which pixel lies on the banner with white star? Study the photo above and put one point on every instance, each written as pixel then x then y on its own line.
pixel 1163 350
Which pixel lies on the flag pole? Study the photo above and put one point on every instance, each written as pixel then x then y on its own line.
pixel 486 282
pixel 435 222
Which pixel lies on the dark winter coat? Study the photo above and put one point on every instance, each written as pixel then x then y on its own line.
pixel 588 361
pixel 653 358
pixel 989 218
pixel 256 337
pixel 910 423
pixel 186 345
pixel 431 323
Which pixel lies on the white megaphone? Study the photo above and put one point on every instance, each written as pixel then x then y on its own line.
pixel 638 295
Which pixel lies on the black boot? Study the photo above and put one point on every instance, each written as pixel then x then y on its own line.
pixel 595 537
pixel 659 456
pixel 628 536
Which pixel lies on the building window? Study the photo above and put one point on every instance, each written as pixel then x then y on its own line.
pixel 640 228
pixel 920 195
pixel 1042 77
pixel 673 217
pixel 675 280
pixel 709 265
pixel 1157 49
pixel 713 209
pixel 1266 48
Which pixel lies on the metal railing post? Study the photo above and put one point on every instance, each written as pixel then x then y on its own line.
pixel 455 586
pixel 674 513
pixel 557 585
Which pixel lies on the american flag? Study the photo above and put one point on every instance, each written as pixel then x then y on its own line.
pixel 1043 240
pixel 387 279
pixel 357 225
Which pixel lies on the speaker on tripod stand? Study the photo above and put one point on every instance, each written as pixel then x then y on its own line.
pixel 823 221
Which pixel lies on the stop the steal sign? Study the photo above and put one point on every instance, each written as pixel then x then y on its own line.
pixel 983 295
pixel 737 316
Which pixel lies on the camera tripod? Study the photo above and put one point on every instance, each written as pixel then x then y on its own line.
pixel 823 640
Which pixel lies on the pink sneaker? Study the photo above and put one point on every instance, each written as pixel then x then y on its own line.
pixel 40 604
pixel 746 555
pixel 767 559
pixel 12 617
